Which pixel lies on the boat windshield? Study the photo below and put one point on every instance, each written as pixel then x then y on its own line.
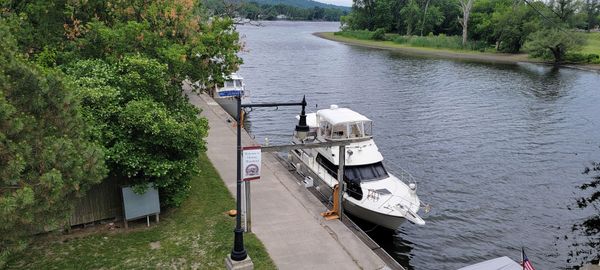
pixel 355 173
pixel 367 172
pixel 238 83
pixel 229 84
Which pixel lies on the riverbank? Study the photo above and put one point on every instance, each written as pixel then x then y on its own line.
pixel 448 54
pixel 198 234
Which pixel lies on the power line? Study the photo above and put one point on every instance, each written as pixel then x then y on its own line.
pixel 546 18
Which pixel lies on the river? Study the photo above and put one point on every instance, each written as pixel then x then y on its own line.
pixel 498 149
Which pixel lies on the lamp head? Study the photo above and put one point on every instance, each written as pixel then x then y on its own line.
pixel 302 128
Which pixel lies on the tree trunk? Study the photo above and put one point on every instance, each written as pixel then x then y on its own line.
pixel 424 17
pixel 464 21
pixel 556 53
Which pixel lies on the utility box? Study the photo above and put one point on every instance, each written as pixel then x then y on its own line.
pixel 137 206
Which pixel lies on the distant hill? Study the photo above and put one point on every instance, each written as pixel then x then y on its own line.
pixel 300 3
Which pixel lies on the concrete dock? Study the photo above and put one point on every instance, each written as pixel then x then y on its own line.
pixel 285 215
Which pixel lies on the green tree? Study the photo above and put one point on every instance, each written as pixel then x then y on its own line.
pixel 151 134
pixel 46 156
pixel 411 14
pixel 553 43
pixel 431 19
pixel 512 25
pixel 591 9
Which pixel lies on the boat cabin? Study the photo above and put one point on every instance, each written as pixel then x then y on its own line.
pixel 343 124
pixel 233 86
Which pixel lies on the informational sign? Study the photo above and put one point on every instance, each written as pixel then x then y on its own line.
pixel 140 205
pixel 251 163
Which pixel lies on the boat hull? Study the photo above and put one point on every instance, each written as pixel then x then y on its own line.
pixel 387 221
pixel 229 104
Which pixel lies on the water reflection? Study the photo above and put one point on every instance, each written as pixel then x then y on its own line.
pixel 586 233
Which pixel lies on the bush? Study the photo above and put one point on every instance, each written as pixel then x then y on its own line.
pixel 379 34
pixel 582 58
pixel 357 34
pixel 440 42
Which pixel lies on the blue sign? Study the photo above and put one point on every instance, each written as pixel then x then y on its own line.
pixel 230 93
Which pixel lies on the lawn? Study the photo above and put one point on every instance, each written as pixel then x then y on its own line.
pixel 593 43
pixel 198 235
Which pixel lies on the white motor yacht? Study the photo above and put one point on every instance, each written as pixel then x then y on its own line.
pixel 372 192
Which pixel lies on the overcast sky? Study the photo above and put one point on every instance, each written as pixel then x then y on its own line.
pixel 347 3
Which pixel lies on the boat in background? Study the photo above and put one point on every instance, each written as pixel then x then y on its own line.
pixel 225 95
pixel 372 192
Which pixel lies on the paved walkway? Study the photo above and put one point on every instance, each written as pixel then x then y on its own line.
pixel 285 216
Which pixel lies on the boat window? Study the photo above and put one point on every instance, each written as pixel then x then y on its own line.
pixel 367 172
pixel 352 187
pixel 229 84
pixel 238 83
pixel 356 130
pixel 325 129
pixel 368 128
pixel 339 132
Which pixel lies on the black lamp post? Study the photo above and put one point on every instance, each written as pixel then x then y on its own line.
pixel 239 253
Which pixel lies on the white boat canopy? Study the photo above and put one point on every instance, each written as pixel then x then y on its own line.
pixel 342 123
pixel 337 115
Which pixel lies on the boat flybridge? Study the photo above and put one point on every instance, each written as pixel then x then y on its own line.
pixel 372 192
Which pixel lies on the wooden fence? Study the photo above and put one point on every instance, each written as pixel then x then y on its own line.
pixel 103 201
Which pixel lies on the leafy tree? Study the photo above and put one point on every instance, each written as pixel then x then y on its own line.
pixel 46 157
pixel 591 9
pixel 553 43
pixel 151 134
pixel 412 15
pixel 364 14
pixel 512 25
pixel 432 18
pixel 564 9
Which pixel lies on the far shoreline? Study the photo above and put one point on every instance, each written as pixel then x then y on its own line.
pixel 500 58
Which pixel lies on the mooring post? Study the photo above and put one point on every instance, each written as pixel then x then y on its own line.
pixel 340 178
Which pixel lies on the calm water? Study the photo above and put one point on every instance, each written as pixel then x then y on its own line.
pixel 498 149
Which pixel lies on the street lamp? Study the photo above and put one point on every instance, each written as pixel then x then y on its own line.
pixel 302 128
pixel 239 253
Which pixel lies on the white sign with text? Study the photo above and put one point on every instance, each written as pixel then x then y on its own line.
pixel 251 159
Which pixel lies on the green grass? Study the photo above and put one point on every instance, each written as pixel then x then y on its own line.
pixel 358 34
pixel 440 42
pixel 435 42
pixel 197 235
pixel 593 43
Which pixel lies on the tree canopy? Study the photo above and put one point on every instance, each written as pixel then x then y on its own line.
pixel 92 88
pixel 504 25
pixel 46 157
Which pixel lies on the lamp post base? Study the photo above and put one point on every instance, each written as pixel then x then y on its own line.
pixel 245 264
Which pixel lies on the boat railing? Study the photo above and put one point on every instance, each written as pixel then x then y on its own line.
pixel 401 174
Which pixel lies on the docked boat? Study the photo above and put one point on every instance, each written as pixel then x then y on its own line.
pixel 372 192
pixel 225 95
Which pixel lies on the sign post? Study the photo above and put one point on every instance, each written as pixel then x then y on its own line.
pixel 251 169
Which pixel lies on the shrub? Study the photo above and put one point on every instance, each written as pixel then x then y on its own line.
pixel 379 34
pixel 582 58
pixel 357 34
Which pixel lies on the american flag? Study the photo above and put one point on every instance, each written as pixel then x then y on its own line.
pixel 525 262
